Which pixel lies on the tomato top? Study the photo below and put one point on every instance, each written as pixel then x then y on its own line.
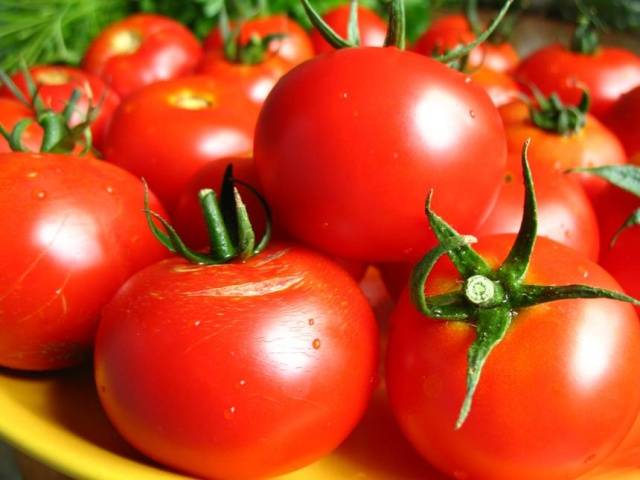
pixel 140 50
pixel 295 47
pixel 56 84
pixel 12 112
pixel 372 28
pixel 607 74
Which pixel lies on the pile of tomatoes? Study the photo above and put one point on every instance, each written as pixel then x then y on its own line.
pixel 224 357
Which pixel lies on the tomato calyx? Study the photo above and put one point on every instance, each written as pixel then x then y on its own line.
pixel 490 298
pixel 551 114
pixel 585 39
pixel 58 136
pixel 253 52
pixel 625 177
pixel 231 234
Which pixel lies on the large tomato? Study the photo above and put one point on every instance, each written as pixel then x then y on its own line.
pixel 11 112
pixel 372 28
pixel 593 145
pixel 624 120
pixel 76 234
pixel 346 166
pixel 556 396
pixel 295 47
pixel 450 31
pixel 607 74
pixel 242 370
pixel 140 50
pixel 55 86
pixel 168 130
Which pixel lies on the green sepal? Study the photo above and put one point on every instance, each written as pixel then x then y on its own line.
pixel 632 220
pixel 353 29
pixel 266 237
pixel 491 326
pixel 14 138
pixel 585 39
pixel 396 32
pixel 626 177
pixel 221 245
pixel 328 33
pixel 14 90
pixel 246 235
pixel 466 259
pixel 552 115
pixel 514 268
pixel 530 295
pixel 462 50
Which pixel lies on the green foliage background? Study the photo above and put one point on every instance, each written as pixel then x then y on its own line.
pixel 52 31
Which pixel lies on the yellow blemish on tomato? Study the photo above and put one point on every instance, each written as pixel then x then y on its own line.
pixel 190 100
pixel 126 42
pixel 52 77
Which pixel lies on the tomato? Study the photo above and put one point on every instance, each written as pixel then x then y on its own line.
pixel 591 146
pixel 607 74
pixel 372 28
pixel 55 86
pixel 556 396
pixel 237 370
pixel 451 30
pixel 565 213
pixel 623 262
pixel 76 234
pixel 168 130
pixel 11 112
pixel 501 87
pixel 294 48
pixel 256 80
pixel 140 50
pixel 623 119
pixel 347 164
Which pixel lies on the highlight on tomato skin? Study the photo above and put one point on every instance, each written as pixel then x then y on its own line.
pixel 140 50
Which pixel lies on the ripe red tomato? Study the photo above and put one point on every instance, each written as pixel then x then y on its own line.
pixel 246 377
pixel 76 234
pixel 373 29
pixel 556 396
pixel 255 80
pixel 501 87
pixel 592 146
pixel 624 120
pixel 607 74
pixel 565 213
pixel 168 130
pixel 347 165
pixel 56 83
pixel 449 31
pixel 294 48
pixel 140 50
pixel 11 112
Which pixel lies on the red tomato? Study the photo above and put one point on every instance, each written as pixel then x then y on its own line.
pixel 592 146
pixel 556 396
pixel 11 112
pixel 255 80
pixel 295 47
pixel 56 85
pixel 373 29
pixel 167 131
pixel 565 213
pixel 607 74
pixel 346 166
pixel 140 50
pixel 246 377
pixel 501 87
pixel 450 31
pixel 76 234
pixel 624 120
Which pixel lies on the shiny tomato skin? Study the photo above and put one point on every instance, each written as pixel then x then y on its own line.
pixel 237 370
pixel 11 112
pixel 555 397
pixel 607 74
pixel 373 29
pixel 77 233
pixel 565 213
pixel 294 48
pixel 255 80
pixel 624 120
pixel 450 31
pixel 168 130
pixel 501 87
pixel 593 146
pixel 56 85
pixel 140 50
pixel 371 130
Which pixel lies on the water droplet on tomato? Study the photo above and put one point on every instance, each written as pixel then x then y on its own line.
pixel 109 189
pixel 316 343
pixel 467 80
pixel 325 224
pixel 229 412
pixel 39 194
pixel 472 114
pixel 345 95
pixel 311 321
pixel 242 383
pixel 32 174
pixel 197 323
